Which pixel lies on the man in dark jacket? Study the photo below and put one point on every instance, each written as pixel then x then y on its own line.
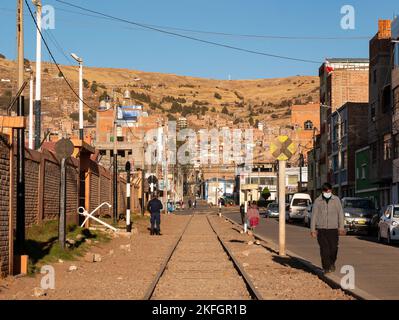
pixel 327 224
pixel 154 207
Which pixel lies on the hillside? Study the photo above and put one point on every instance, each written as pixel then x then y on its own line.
pixel 240 101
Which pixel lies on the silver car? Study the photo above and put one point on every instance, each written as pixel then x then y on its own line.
pixel 272 210
pixel 358 213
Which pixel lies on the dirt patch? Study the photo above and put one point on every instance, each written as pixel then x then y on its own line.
pixel 126 269
pixel 274 277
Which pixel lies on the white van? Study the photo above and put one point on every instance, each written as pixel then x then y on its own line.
pixel 298 206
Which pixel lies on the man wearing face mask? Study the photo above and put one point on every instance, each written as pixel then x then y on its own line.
pixel 327 225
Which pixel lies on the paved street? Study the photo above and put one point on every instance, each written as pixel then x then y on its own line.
pixel 375 264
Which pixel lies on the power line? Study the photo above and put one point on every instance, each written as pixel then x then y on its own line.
pixel 218 33
pixel 53 39
pixel 55 62
pixel 190 37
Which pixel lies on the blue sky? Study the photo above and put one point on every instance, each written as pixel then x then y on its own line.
pixel 113 44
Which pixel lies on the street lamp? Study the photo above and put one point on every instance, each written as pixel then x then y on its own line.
pixel 38 90
pixel 80 61
pixel 30 139
pixel 339 148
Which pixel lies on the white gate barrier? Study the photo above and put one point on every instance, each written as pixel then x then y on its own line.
pixel 82 211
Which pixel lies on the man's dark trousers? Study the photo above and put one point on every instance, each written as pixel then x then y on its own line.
pixel 328 240
pixel 156 220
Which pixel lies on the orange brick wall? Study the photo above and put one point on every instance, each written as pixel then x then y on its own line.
pixel 349 86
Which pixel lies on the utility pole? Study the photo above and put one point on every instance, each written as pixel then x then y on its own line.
pixel 339 154
pixel 80 62
pixel 142 178
pixel 115 167
pixel 165 178
pixel 31 146
pixel 81 133
pixel 314 164
pixel 20 201
pixel 38 103
pixel 281 203
pixel 301 164
pixel 128 223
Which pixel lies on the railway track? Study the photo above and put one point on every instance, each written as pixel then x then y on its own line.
pixel 200 266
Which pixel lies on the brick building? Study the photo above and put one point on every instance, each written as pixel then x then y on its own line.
pixel 305 120
pixel 380 112
pixel 347 83
pixel 395 118
pixel 129 138
pixel 352 116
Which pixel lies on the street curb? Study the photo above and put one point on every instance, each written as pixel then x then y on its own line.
pixel 332 280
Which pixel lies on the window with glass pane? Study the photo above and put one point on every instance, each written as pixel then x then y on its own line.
pixel 271 181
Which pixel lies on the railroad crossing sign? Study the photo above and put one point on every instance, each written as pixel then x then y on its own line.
pixel 152 179
pixel 283 148
pixel 64 148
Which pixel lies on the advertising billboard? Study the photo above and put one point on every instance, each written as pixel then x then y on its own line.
pixel 130 113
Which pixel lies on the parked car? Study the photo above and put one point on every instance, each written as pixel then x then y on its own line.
pixel 298 207
pixel 375 220
pixel 229 199
pixel 359 213
pixel 388 228
pixel 308 216
pixel 273 210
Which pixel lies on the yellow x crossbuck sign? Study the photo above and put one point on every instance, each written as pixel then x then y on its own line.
pixel 283 148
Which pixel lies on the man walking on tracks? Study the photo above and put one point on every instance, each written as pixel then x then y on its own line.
pixel 154 207
pixel 327 225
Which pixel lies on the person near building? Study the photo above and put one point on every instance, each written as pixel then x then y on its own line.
pixel 327 225
pixel 154 207
pixel 242 213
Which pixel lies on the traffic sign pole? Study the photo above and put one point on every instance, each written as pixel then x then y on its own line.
pixel 64 149
pixel 282 149
pixel 281 201
pixel 128 221
pixel 62 219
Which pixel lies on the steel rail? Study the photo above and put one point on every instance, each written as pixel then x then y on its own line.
pixel 153 285
pixel 255 294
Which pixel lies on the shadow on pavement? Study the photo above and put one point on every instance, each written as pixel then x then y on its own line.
pixel 237 241
pixel 375 240
pixel 290 263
